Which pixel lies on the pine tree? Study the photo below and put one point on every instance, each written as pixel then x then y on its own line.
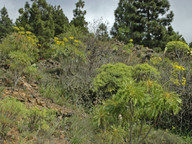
pixel 102 33
pixel 190 44
pixel 144 21
pixel 5 23
pixel 60 20
pixel 23 20
pixel 79 16
pixel 38 18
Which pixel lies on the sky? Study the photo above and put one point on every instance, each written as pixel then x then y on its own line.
pixel 97 9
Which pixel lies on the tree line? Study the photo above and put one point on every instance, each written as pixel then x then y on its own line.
pixel 148 23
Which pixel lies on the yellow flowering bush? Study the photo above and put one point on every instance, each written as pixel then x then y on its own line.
pixel 19 51
pixel 156 60
pixel 177 76
pixel 64 47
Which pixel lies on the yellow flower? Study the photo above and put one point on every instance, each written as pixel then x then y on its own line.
pixel 16 28
pixel 177 67
pixel 28 32
pixel 21 28
pixel 58 42
pixel 131 40
pixel 76 41
pixel 29 38
pixel 173 127
pixel 21 32
pixel 71 38
pixel 65 39
pixel 183 80
pixel 56 38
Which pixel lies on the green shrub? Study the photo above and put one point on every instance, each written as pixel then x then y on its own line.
pixel 12 114
pixel 53 92
pixel 163 137
pixel 40 119
pixel 19 51
pixel 68 47
pixel 145 72
pixel 128 47
pixel 110 78
pixel 176 49
pixel 22 41
pixel 135 103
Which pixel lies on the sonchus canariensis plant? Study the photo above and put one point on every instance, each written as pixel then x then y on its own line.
pixel 176 50
pixel 19 51
pixel 138 101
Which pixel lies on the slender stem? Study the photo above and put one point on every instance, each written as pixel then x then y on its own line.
pixel 145 135
pixel 131 124
pixel 135 132
pixel 141 128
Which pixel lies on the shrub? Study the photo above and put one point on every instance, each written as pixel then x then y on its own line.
pixel 19 51
pixel 12 114
pixel 145 72
pixel 68 47
pixel 40 119
pixel 135 103
pixel 53 92
pixel 176 49
pixel 15 115
pixel 163 137
pixel 110 78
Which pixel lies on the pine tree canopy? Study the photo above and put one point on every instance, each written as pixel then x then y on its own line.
pixel 5 23
pixel 147 22
pixel 43 19
pixel 60 20
pixel 79 16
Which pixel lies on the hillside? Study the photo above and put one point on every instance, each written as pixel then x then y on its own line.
pixel 62 82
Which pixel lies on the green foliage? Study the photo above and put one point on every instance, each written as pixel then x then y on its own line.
pixel 12 114
pixel 111 78
pixel 5 23
pixel 163 137
pixel 145 72
pixel 176 49
pixel 190 44
pixel 1 90
pixel 79 16
pixel 147 23
pixel 22 41
pixel 128 47
pixel 176 76
pixel 19 51
pixel 71 30
pixel 68 47
pixel 133 104
pixel 15 115
pixel 82 130
pixel 123 102
pixel 38 18
pixel 53 92
pixel 102 33
pixel 61 22
pixel 40 119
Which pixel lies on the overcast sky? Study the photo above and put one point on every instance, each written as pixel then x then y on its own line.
pixel 96 9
